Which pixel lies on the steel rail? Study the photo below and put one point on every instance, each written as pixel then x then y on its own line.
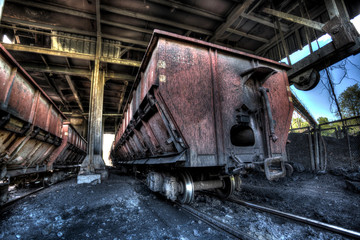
pixel 7 204
pixel 329 227
pixel 215 223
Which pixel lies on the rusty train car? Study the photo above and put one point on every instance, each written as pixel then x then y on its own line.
pixel 34 135
pixel 201 114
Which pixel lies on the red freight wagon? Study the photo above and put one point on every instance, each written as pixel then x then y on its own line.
pixel 201 113
pixel 32 135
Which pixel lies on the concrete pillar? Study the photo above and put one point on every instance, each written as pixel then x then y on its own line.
pixel 94 163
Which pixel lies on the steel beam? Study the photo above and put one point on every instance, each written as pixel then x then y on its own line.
pixel 154 19
pixel 74 91
pixel 232 17
pixel 90 57
pixel 324 57
pixel 296 19
pixel 301 109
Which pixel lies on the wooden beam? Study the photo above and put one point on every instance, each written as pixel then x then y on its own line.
pixel 189 9
pixel 54 86
pixel 72 114
pixel 264 21
pixel 122 96
pixel 285 47
pixel 123 39
pixel 236 48
pixel 237 32
pixel 90 57
pixel 55 8
pixel 232 17
pixel 200 12
pixel 296 19
pixel 119 76
pixel 33 67
pixel 154 19
pixel 260 51
pixel 46 26
pixel 74 91
pixel 47 51
pixel 76 31
pixel 126 26
pixel 126 62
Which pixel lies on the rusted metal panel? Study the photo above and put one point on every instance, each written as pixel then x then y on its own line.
pixel 31 124
pixel 223 107
pixel 21 98
pixel 72 149
pixel 282 108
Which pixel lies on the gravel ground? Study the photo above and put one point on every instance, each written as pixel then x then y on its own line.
pixel 321 197
pixel 120 208
pixel 123 208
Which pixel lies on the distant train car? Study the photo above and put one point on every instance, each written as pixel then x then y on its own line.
pixel 33 135
pixel 200 114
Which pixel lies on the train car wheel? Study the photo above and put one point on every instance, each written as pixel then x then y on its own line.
pixel 228 189
pixel 187 188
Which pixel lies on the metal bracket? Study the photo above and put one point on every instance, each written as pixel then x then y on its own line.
pixel 272 173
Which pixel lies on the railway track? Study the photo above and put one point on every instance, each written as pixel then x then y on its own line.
pixel 236 233
pixel 12 201
pixel 242 235
pixel 215 223
pixel 308 221
pixel 9 203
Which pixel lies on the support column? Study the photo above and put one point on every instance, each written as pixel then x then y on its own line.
pixel 93 168
pixel 94 163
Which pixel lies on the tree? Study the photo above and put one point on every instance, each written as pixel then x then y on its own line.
pixel 299 123
pixel 350 101
pixel 322 120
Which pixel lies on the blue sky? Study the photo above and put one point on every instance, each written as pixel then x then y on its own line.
pixel 317 100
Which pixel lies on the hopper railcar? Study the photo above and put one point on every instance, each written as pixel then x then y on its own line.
pixel 200 114
pixel 35 138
